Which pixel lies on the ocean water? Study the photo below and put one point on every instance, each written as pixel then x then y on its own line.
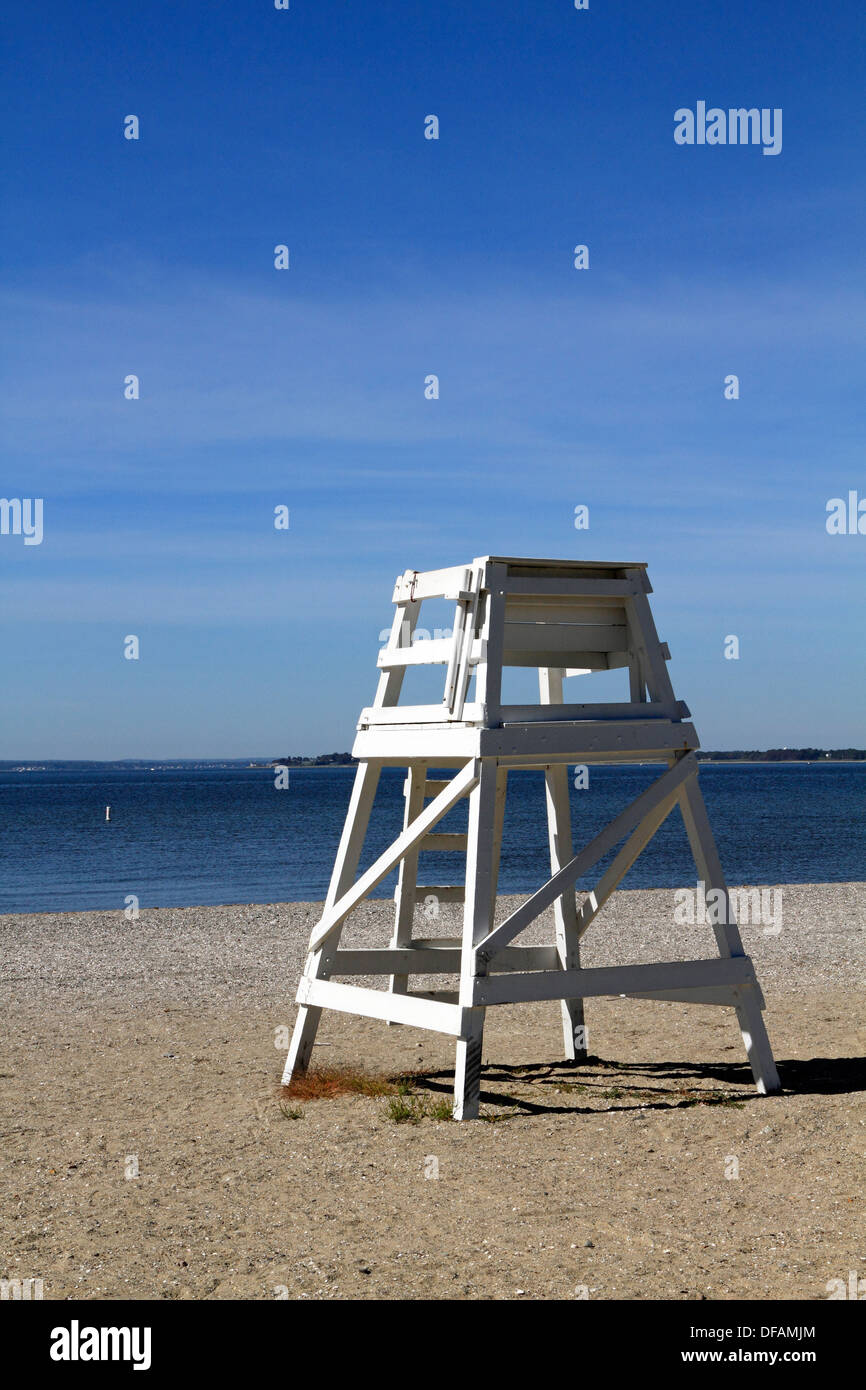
pixel 181 838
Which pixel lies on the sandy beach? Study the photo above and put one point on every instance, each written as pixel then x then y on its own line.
pixel 148 1152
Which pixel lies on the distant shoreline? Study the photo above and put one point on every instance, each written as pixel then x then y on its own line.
pixel 244 765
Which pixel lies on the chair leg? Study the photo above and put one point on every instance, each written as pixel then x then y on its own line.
pixel 481 856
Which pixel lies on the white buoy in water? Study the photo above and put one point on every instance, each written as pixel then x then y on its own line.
pixel 108 813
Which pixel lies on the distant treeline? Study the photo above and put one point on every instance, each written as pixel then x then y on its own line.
pixel 765 755
pixel 789 755
pixel 755 755
pixel 322 760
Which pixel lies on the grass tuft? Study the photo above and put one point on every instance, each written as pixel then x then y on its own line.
pixel 410 1109
pixel 290 1112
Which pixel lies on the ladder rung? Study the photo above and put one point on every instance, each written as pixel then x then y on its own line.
pixel 430 651
pixel 437 785
pixel 445 841
pixel 436 943
pixel 445 893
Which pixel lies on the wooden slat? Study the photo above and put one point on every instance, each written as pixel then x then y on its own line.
pixel 434 785
pixel 446 996
pixel 446 745
pixel 550 656
pixel 430 651
pixel 445 583
pixel 443 892
pixel 541 565
pixel 527 745
pixel 724 995
pixel 446 843
pixel 416 714
pixel 613 979
pixel 465 780
pixel 398 960
pixel 437 956
pixel 600 740
pixel 572 588
pixel 377 1003
pixel 546 714
pixel 566 639
pixel 523 609
pixel 435 943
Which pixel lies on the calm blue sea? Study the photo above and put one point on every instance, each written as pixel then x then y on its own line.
pixel 182 838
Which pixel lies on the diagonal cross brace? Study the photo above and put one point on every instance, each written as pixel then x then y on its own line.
pixel 663 789
pixel 465 780
pixel 622 862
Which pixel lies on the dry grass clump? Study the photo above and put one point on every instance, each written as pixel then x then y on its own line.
pixel 324 1083
pixel 403 1104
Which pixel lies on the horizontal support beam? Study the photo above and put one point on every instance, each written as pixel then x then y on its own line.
pixel 443 892
pixel 726 996
pixel 444 996
pixel 614 979
pixel 378 1003
pixel 565 638
pixel 528 745
pixel 434 651
pixel 398 960
pixel 564 610
pixel 424 958
pixel 594 740
pixel 547 714
pixel 663 789
pixel 445 745
pixel 573 588
pixel 434 785
pixel 375 715
pixel 554 656
pixel 445 583
pixel 465 780
pixel 445 843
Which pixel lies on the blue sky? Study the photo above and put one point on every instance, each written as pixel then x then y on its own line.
pixel 408 257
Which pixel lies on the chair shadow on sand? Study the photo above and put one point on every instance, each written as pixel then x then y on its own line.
pixel 599 1086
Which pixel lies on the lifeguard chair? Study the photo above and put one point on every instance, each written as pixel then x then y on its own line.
pixel 564 618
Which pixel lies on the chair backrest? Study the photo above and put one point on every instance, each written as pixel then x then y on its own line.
pixel 571 617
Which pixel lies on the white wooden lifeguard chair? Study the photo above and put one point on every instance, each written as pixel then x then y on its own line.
pixel 565 618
